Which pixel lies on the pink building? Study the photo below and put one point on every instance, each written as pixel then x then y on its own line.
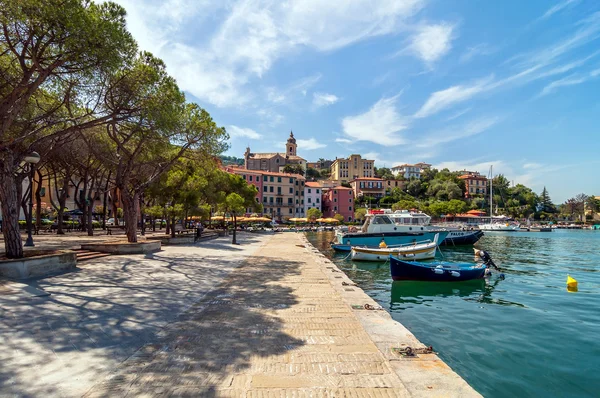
pixel 338 200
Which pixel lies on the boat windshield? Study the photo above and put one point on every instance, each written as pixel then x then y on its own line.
pixel 382 220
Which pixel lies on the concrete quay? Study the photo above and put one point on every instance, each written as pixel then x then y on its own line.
pixel 285 323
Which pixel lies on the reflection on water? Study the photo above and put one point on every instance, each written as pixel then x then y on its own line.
pixel 522 336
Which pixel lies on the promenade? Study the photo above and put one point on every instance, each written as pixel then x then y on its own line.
pixel 280 321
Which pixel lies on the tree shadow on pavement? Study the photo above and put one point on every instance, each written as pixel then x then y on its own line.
pixel 207 351
pixel 95 318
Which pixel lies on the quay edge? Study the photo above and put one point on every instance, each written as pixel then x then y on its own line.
pixel 425 375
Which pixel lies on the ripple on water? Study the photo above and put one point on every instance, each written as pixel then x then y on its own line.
pixel 523 336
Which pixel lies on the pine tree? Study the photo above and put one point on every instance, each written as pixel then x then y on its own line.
pixel 546 203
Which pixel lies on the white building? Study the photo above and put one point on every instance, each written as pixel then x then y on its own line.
pixel 312 196
pixel 410 170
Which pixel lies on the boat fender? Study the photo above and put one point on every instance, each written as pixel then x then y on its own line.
pixel 454 273
pixel 438 271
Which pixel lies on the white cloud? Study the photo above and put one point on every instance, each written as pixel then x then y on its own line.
pixel 254 34
pixel 310 144
pixel 474 51
pixel 556 8
pixel 235 131
pixel 380 124
pixel 458 114
pixel 472 128
pixel 344 140
pixel 431 42
pixel 567 81
pixel 270 117
pixel 324 99
pixel 595 73
pixel 446 98
pixel 532 165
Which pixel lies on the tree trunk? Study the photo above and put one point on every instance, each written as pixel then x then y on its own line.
pixel 115 202
pixel 90 225
pixel 13 245
pixel 234 241
pixel 62 200
pixel 131 206
pixel 142 218
pixel 38 200
pixel 173 227
pixel 168 225
pixel 105 201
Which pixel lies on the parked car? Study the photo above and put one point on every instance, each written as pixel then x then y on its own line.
pixel 110 221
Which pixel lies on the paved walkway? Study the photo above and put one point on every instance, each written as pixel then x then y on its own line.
pixel 95 318
pixel 282 325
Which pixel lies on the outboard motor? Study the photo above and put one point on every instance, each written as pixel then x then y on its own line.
pixel 487 259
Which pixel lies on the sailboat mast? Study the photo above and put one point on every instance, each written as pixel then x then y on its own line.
pixel 491 188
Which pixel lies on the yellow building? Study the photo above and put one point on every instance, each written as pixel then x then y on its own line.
pixel 354 167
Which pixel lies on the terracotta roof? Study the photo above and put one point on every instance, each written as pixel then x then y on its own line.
pixel 272 155
pixel 313 184
pixel 341 188
pixel 472 177
pixel 269 173
pixel 368 179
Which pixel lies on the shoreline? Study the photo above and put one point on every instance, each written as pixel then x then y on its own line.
pixel 424 374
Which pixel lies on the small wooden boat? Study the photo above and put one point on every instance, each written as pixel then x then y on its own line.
pixel 414 251
pixel 438 271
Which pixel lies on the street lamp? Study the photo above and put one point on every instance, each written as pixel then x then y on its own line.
pixel 32 159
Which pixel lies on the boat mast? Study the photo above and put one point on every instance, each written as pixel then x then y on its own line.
pixel 491 196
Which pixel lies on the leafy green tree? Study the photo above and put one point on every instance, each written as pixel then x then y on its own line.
pixel 414 187
pixel 313 213
pixel 384 173
pixel 456 206
pixel 339 217
pixel 235 204
pixel 360 214
pixel 325 173
pixel 312 173
pixel 293 169
pixel 444 190
pixel 405 204
pixel 55 55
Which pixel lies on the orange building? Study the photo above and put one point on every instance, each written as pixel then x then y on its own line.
pixel 475 183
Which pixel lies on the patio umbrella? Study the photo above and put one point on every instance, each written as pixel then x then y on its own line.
pixel 331 220
pixel 298 219
pixel 259 219
pixel 321 220
pixel 217 218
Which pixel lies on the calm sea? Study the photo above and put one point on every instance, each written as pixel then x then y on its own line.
pixel 524 336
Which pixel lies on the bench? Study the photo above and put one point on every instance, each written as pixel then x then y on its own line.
pixel 110 228
pixel 179 229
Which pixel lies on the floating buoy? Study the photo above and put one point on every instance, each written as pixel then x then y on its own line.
pixel 571 284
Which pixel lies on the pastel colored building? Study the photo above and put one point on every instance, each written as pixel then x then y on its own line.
pixel 344 170
pixel 338 200
pixel 475 183
pixel 368 186
pixel 312 196
pixel 276 161
pixel 409 171
pixel 251 177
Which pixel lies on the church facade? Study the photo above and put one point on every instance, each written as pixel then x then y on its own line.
pixel 274 162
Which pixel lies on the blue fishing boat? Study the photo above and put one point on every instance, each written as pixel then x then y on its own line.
pixel 437 271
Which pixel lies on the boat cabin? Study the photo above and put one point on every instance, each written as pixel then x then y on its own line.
pixel 394 222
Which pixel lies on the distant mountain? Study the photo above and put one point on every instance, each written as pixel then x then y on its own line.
pixel 231 160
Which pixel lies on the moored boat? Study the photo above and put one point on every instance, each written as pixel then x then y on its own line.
pixel 396 228
pixel 436 272
pixel 418 251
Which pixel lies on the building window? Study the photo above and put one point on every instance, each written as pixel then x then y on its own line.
pixel 291 180
pixel 270 189
pixel 244 176
pixel 335 192
pixel 309 200
pixel 270 199
pixel 265 188
pixel 265 199
pixel 290 210
pixel 317 191
pixel 291 190
pixel 318 200
pixel 278 179
pixel 276 160
pixel 250 178
pixel 334 208
pixel 335 199
pixel 265 178
pixel 290 201
pixel 279 190
pixel 309 190
pixel 272 179
pixel 350 200
pixel 350 208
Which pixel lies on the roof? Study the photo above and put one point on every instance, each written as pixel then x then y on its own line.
pixel 313 184
pixel 341 188
pixel 368 179
pixel 272 155
pixel 269 173
pixel 472 177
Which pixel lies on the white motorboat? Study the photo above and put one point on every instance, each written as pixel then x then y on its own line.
pixel 423 250
pixel 501 223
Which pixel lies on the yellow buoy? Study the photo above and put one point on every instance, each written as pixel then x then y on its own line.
pixel 382 244
pixel 571 284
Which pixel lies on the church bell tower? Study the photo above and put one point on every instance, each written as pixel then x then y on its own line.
pixel 290 147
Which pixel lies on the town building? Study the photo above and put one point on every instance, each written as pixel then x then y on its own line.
pixel 391 184
pixel 368 186
pixel 338 200
pixel 410 170
pixel 274 162
pixel 312 196
pixel 475 183
pixel 344 170
pixel 252 177
pixel 321 164
pixel 281 194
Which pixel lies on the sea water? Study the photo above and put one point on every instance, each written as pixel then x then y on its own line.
pixel 524 336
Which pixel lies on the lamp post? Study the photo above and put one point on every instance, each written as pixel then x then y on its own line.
pixel 32 159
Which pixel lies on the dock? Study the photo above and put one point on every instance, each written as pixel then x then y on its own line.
pixel 286 323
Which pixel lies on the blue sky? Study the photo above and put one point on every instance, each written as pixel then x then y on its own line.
pixel 458 84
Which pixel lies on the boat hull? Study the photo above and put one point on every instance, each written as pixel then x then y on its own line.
pixel 462 237
pixel 499 227
pixel 435 272
pixel 345 241
pixel 366 254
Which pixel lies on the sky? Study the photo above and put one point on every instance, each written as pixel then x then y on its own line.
pixel 461 84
